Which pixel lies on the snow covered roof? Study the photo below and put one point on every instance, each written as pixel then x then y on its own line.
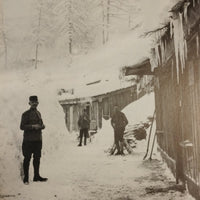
pixel 86 93
pixel 85 99
pixel 102 66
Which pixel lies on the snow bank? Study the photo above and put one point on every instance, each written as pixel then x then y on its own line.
pixel 139 110
pixel 16 87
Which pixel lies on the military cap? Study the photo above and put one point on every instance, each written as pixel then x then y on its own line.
pixel 33 98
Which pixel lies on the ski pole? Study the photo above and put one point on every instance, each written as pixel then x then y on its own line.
pixel 149 136
pixel 152 146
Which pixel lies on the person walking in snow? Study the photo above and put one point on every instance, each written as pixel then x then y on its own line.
pixel 83 124
pixel 32 125
pixel 118 122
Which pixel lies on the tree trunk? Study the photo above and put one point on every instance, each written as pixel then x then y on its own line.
pixel 70 25
pixel 108 20
pixel 103 22
pixel 38 38
pixel 36 55
pixel 6 51
pixel 4 37
pixel 70 38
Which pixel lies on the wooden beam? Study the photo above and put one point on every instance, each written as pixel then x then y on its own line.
pixel 142 68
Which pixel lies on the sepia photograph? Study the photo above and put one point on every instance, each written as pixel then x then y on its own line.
pixel 100 99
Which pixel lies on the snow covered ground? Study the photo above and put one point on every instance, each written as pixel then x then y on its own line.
pixel 73 172
pixel 86 172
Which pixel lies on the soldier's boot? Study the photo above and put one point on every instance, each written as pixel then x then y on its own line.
pixel 121 146
pixel 118 148
pixel 85 140
pixel 26 164
pixel 80 143
pixel 36 166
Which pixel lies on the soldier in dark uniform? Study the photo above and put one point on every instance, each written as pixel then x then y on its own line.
pixel 83 124
pixel 32 125
pixel 118 122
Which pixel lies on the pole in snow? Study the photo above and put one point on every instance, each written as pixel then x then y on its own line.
pixel 149 136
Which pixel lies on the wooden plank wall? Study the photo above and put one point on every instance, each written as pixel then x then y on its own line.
pixel 191 120
pixel 178 117
pixel 167 113
pixel 101 106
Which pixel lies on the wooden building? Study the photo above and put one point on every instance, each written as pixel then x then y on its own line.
pixel 101 105
pixel 176 64
pixel 98 107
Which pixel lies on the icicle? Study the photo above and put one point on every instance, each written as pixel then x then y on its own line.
pixel 164 50
pixel 153 60
pixel 185 49
pixel 171 27
pixel 157 55
pixel 177 63
pixel 197 42
pixel 161 53
pixel 172 68
pixel 186 4
pixel 165 45
pixel 176 45
pixel 182 43
pixel 194 3
pixel 162 47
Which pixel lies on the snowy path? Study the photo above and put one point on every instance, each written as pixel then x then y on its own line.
pixel 75 173
pixel 87 173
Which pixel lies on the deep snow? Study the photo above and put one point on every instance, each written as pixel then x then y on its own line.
pixel 74 173
pixel 87 172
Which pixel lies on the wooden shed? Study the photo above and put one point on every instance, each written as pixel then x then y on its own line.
pixel 98 107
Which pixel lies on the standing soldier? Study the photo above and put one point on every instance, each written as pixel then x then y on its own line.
pixel 32 125
pixel 118 122
pixel 83 124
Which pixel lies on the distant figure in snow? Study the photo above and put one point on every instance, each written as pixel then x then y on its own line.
pixel 32 125
pixel 83 124
pixel 118 122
